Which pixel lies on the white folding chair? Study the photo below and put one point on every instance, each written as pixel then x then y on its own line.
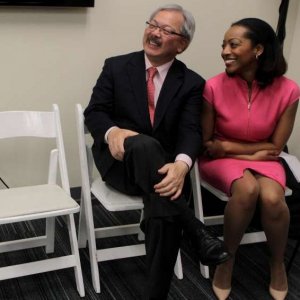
pixel 112 201
pixel 197 182
pixel 43 201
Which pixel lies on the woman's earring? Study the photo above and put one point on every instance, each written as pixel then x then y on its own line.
pixel 256 56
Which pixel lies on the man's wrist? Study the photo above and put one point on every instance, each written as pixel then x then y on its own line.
pixel 107 133
pixel 183 163
pixel 184 158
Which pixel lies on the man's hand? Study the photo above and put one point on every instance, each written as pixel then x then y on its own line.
pixel 172 184
pixel 116 139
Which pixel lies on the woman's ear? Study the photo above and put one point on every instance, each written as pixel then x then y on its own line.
pixel 259 49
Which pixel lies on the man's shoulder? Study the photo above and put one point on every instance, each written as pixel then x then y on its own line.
pixel 125 57
pixel 188 72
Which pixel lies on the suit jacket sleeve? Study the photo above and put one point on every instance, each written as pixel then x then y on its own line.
pixel 98 112
pixel 189 139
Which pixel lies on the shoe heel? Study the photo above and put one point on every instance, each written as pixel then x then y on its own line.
pixel 221 294
pixel 277 295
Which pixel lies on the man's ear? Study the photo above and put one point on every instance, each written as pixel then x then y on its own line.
pixel 182 46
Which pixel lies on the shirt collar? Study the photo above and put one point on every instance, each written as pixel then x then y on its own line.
pixel 163 69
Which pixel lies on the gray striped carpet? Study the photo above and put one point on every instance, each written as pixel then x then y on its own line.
pixel 123 279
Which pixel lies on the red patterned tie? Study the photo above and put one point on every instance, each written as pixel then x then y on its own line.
pixel 150 91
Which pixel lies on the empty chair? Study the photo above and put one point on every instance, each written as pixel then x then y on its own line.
pixel 112 200
pixel 197 183
pixel 42 201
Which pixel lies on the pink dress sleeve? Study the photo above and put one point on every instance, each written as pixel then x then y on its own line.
pixel 208 92
pixel 294 91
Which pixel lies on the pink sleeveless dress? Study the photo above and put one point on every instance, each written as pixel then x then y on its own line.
pixel 239 120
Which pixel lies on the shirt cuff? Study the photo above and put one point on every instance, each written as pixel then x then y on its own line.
pixel 185 158
pixel 107 132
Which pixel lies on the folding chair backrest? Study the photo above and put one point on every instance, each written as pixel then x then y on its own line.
pixel 27 123
pixel 85 153
pixel 39 124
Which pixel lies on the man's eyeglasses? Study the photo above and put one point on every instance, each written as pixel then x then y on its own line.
pixel 164 31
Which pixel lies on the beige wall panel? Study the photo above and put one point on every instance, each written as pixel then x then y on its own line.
pixel 54 55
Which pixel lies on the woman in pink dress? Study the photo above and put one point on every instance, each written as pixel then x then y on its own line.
pixel 248 116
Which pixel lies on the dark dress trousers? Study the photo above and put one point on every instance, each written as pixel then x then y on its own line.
pixel 120 99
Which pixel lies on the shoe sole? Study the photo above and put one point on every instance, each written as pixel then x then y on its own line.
pixel 215 263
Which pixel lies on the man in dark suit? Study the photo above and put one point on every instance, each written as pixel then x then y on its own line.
pixel 147 135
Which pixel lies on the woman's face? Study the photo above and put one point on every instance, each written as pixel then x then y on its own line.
pixel 239 54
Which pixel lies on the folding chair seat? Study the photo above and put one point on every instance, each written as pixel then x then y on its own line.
pixel 41 201
pixel 112 200
pixel 197 183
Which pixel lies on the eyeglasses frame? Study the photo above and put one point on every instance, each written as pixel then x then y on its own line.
pixel 166 32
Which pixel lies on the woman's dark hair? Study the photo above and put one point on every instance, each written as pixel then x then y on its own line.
pixel 271 62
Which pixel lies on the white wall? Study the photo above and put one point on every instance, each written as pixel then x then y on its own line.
pixel 294 67
pixel 54 55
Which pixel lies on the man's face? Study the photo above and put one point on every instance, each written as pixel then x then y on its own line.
pixel 159 46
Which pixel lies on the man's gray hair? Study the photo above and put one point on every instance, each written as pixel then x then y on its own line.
pixel 188 27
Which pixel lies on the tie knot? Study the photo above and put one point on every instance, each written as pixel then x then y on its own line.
pixel 151 72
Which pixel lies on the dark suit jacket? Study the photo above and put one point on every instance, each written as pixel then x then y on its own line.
pixel 120 99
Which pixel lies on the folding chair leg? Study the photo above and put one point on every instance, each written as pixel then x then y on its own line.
pixel 141 235
pixel 178 267
pixel 292 257
pixel 75 252
pixel 204 271
pixel 87 224
pixel 94 264
pixel 82 228
pixel 50 234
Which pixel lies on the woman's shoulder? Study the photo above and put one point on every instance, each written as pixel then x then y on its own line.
pixel 288 87
pixel 223 81
pixel 217 87
pixel 217 78
pixel 285 82
pixel 225 78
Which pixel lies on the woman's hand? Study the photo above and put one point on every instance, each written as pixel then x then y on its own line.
pixel 215 149
pixel 261 155
pixel 266 155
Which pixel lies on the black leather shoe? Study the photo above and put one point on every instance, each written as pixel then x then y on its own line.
pixel 210 250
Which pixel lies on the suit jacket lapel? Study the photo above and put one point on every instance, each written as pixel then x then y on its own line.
pixel 169 89
pixel 137 76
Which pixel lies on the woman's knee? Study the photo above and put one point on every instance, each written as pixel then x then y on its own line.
pixel 273 202
pixel 272 198
pixel 246 193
